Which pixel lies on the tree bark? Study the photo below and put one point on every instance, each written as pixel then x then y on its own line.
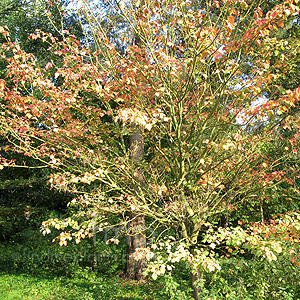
pixel 135 240
pixel 136 227
pixel 194 279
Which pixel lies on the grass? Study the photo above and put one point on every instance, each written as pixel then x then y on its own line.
pixel 28 286
pixel 25 275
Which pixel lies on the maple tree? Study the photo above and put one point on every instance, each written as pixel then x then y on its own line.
pixel 186 89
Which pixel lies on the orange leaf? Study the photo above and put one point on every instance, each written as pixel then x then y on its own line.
pixel 230 19
pixel 216 3
pixel 280 23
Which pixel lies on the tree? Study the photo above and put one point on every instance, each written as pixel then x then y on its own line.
pixel 23 17
pixel 182 97
pixel 8 6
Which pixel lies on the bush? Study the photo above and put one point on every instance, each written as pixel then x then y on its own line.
pixel 31 251
pixel 253 279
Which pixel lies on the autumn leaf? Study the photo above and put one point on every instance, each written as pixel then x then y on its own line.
pixel 230 19
pixel 48 66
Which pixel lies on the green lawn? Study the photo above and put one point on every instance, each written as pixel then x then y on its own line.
pixel 25 286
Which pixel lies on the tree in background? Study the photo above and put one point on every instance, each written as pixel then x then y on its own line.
pixel 183 95
pixel 24 17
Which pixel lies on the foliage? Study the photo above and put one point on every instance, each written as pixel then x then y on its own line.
pixel 25 200
pixel 188 81
pixel 253 278
pixel 278 240
pixel 44 16
pixel 31 252
pixel 24 197
pixel 191 174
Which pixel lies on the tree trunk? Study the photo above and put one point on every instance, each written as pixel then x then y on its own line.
pixel 194 279
pixel 136 227
pixel 135 240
